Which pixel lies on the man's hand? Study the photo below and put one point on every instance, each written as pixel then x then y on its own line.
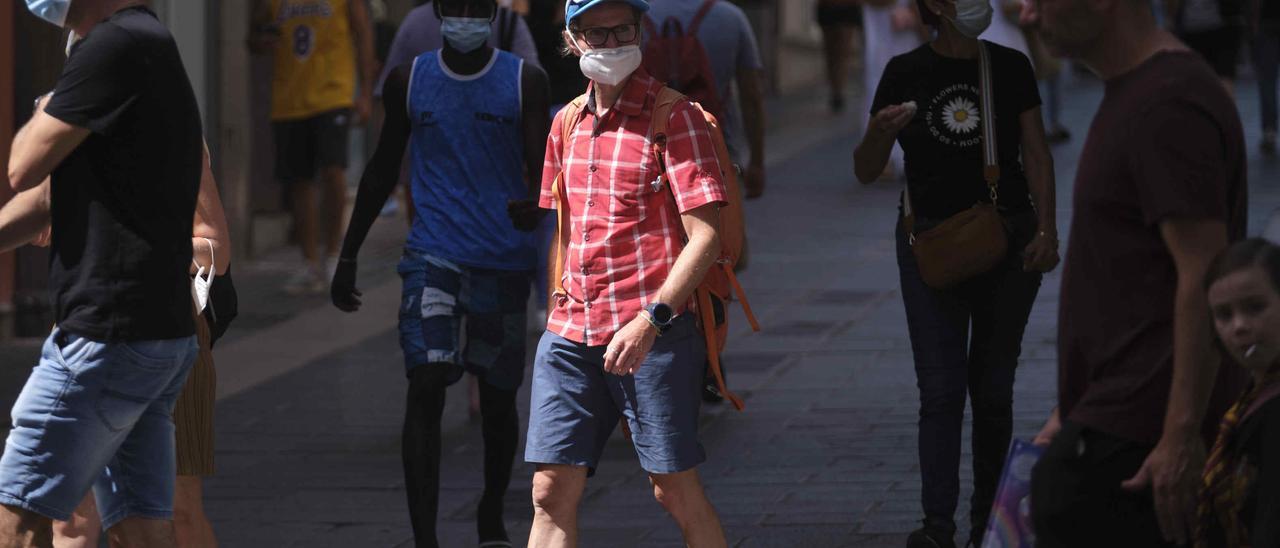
pixel 1050 429
pixel 1173 472
pixel 629 347
pixel 525 214
pixel 363 108
pixel 753 179
pixel 343 291
pixel 1041 254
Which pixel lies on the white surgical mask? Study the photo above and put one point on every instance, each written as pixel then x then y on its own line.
pixel 465 34
pixel 200 285
pixel 53 11
pixel 973 17
pixel 610 66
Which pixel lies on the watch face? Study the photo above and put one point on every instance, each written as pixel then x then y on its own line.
pixel 661 313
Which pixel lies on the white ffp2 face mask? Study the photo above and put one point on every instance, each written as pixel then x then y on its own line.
pixel 610 66
pixel 973 17
pixel 200 285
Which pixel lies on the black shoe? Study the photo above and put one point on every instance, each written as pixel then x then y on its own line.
pixel 933 535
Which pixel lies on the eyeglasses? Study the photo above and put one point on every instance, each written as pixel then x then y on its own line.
pixel 599 36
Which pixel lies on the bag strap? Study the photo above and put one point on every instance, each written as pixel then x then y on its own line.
pixel 697 19
pixel 991 157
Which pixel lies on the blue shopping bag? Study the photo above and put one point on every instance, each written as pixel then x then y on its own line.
pixel 1010 525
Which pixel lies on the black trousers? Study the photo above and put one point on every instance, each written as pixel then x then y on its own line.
pixel 1076 498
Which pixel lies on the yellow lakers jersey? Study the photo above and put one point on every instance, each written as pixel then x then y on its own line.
pixel 315 59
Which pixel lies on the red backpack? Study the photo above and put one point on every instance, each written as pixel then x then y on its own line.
pixel 676 58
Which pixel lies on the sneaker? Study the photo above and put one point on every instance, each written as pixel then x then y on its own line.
pixel 1269 142
pixel 934 534
pixel 306 281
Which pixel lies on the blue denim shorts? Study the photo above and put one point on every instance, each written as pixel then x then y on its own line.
pixel 575 405
pixel 471 319
pixel 97 415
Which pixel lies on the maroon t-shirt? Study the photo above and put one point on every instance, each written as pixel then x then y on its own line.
pixel 1166 143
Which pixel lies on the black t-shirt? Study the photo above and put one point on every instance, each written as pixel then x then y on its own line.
pixel 942 145
pixel 567 81
pixel 124 200
pixel 1166 143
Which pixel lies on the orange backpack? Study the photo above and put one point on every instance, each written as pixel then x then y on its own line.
pixel 720 284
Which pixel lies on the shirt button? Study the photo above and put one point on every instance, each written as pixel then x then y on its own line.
pixel 586 237
pixel 591 203
pixel 588 306
pixel 593 168
pixel 585 271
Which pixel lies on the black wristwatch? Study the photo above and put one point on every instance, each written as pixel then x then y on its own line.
pixel 660 315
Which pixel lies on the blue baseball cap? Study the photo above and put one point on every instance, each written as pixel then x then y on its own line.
pixel 574 8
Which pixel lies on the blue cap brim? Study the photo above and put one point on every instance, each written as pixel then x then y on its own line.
pixel 574 8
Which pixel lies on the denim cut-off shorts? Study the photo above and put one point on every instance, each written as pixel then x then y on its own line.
pixel 575 405
pixel 97 415
pixel 465 318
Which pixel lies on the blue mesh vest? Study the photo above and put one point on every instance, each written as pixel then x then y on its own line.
pixel 466 162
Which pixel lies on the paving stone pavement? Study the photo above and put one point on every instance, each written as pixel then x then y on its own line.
pixel 824 455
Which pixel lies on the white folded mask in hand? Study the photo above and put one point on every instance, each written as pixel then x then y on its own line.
pixel 203 280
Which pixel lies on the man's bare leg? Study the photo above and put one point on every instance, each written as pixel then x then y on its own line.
pixel 683 497
pixel 21 528
pixel 143 533
pixel 304 220
pixel 191 526
pixel 557 490
pixel 334 181
pixel 83 529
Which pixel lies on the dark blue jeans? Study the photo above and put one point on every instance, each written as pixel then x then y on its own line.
pixel 966 341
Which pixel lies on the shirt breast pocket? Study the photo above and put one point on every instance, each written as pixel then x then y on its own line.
pixel 631 188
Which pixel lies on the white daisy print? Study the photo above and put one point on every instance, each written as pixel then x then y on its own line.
pixel 960 115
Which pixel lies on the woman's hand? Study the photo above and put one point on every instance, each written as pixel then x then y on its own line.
pixel 891 119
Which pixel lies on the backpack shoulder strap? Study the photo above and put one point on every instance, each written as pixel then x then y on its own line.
pixel 570 116
pixel 667 99
pixel 697 19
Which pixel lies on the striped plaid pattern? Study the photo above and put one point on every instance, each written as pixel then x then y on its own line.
pixel 625 230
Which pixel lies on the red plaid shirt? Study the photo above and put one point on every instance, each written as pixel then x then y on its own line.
pixel 625 233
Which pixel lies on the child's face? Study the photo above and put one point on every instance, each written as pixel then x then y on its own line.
pixel 1246 313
